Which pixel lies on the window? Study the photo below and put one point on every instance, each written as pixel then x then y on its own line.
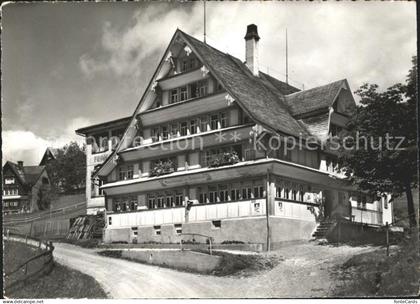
pixel 9 180
pixel 45 181
pixel 294 194
pixel 150 201
pixel 165 133
pixel 155 134
pixel 258 192
pixel 133 204
pixel 174 96
pixel 203 124
pixel 193 126
pixel 214 122
pixel 103 143
pixel 183 93
pixel 174 130
pixel 188 64
pixel 159 201
pixel 223 193
pixel 203 198
pixel 201 88
pixel 184 128
pixel 301 193
pixel 126 172
pixel 179 198
pixel 178 228
pixel 286 192
pixel 169 200
pixel 234 194
pixel 184 65
pixel 157 230
pixel 216 224
pixel 223 120
pixel 246 193
pixel 212 194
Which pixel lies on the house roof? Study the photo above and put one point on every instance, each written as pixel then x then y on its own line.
pixel 313 99
pixel 28 175
pixel 121 121
pixel 317 125
pixel 253 93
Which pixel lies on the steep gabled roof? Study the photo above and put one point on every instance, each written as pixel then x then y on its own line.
pixel 257 99
pixel 28 175
pixel 313 99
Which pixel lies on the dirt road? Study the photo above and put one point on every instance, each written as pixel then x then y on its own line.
pixel 302 273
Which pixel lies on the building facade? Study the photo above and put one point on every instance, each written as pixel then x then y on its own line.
pixel 217 147
pixel 101 140
pixel 21 187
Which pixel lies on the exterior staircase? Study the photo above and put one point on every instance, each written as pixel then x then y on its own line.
pixel 323 228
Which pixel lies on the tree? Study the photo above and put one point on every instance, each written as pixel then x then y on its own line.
pixel 383 137
pixel 45 196
pixel 68 170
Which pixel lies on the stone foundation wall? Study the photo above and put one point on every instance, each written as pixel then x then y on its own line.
pixel 247 230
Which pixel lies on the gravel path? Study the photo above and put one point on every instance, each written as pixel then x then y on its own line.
pixel 303 272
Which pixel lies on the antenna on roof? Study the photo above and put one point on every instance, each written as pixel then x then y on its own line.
pixel 287 63
pixel 204 21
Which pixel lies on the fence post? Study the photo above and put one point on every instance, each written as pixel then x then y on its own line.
pixel 339 231
pixel 387 238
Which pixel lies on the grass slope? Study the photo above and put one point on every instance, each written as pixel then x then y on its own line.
pixel 374 274
pixel 61 282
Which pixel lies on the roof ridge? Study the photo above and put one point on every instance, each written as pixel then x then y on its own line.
pixel 314 88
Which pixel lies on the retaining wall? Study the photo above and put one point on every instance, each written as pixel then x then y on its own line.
pixel 186 260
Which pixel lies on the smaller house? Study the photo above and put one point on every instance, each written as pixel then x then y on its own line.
pixel 22 186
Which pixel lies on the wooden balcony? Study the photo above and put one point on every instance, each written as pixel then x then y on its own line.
pixel 187 143
pixel 184 109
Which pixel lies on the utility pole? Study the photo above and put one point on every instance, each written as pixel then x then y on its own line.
pixel 267 209
pixel 204 21
pixel 287 62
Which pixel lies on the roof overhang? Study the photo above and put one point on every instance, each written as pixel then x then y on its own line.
pixel 247 169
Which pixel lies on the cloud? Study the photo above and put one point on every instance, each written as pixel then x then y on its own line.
pixel 123 52
pixel 327 41
pixel 29 147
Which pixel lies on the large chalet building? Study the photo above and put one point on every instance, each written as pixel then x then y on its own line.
pixel 196 156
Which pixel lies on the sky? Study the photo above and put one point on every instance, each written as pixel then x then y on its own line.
pixel 69 65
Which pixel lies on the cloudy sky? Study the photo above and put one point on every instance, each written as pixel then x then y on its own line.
pixel 68 65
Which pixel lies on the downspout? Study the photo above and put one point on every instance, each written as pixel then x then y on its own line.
pixel 267 210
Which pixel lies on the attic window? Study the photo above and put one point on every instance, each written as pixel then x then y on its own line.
pixel 189 64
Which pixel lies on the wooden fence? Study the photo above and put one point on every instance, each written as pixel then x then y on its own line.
pixel 32 268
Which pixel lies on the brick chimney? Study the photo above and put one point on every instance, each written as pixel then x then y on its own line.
pixel 20 163
pixel 251 48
